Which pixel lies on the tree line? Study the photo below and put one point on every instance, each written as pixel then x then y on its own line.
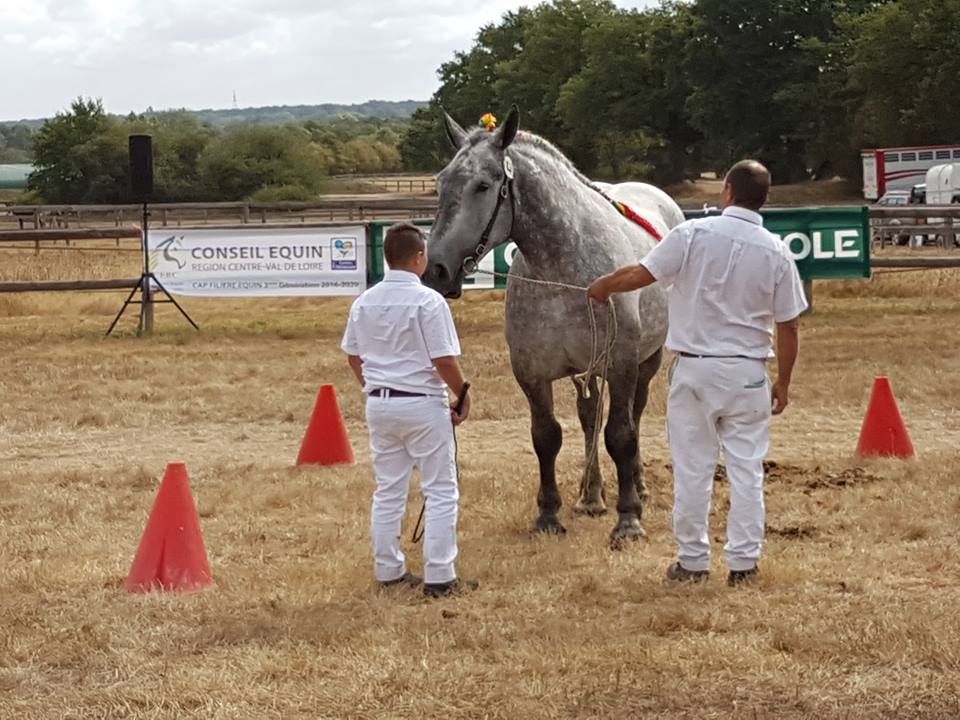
pixel 687 87
pixel 81 156
pixel 16 140
pixel 662 94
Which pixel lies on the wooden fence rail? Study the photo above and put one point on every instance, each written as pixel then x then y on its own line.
pixel 349 209
pixel 68 234
pixel 943 220
pixel 67 285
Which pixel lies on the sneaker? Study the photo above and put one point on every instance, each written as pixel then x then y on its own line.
pixel 679 573
pixel 452 588
pixel 738 577
pixel 408 579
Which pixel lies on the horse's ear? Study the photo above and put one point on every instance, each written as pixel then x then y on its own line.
pixel 455 134
pixel 508 131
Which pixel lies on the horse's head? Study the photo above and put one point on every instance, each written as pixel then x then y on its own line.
pixel 475 212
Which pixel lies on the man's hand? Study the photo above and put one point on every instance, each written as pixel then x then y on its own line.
pixel 780 397
pixel 788 344
pixel 626 279
pixel 599 290
pixel 460 417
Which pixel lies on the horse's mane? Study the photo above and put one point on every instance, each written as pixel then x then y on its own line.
pixel 526 140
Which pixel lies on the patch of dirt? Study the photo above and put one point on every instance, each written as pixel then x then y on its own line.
pixel 794 532
pixel 813 478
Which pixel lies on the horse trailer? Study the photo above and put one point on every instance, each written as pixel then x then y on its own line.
pixel 901 168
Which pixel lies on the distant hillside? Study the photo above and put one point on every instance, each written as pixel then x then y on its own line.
pixel 279 114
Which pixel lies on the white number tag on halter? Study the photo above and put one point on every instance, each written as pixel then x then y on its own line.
pixel 508 167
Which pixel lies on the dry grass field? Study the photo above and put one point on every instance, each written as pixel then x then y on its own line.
pixel 856 614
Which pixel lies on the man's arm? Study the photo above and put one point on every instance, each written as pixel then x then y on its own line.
pixel 626 279
pixel 661 264
pixel 788 345
pixel 356 364
pixel 448 367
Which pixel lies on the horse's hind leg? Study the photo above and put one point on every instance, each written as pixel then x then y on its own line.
pixel 622 444
pixel 592 500
pixel 547 439
pixel 648 369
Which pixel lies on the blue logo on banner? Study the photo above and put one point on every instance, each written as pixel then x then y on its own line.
pixel 344 254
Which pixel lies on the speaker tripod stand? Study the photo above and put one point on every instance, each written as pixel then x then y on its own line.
pixel 145 287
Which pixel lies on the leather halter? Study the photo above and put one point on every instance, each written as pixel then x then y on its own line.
pixel 472 262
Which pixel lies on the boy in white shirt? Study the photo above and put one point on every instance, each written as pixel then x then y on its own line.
pixel 402 346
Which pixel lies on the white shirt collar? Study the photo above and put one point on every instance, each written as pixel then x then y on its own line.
pixel 742 213
pixel 401 276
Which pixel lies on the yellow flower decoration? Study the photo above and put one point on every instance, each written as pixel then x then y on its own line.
pixel 489 121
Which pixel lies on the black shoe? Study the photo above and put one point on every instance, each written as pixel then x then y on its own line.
pixel 738 577
pixel 679 573
pixel 406 580
pixel 452 588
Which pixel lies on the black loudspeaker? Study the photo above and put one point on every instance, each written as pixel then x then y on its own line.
pixel 141 166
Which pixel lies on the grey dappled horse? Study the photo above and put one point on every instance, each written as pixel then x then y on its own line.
pixel 507 185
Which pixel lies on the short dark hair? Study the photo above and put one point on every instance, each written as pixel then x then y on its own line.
pixel 749 181
pixel 402 243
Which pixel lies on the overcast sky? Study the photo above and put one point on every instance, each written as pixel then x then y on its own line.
pixel 196 53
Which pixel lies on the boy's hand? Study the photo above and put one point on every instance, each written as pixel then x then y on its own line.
pixel 460 417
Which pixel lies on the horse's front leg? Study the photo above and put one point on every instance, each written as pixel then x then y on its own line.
pixel 592 501
pixel 623 445
pixel 547 439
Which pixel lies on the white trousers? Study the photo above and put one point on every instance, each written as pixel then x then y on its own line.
pixel 407 433
pixel 716 403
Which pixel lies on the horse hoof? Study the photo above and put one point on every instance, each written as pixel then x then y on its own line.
pixel 590 509
pixel 629 530
pixel 548 525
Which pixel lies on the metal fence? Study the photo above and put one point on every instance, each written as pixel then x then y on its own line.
pixel 916 226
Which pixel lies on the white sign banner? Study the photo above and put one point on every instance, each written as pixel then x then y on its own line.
pixel 260 261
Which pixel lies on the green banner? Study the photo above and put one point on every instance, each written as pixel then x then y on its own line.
pixel 827 244
pixel 831 243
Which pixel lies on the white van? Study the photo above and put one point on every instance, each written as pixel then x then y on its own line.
pixel 943 184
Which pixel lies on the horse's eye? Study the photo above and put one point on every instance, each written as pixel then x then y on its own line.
pixel 482 187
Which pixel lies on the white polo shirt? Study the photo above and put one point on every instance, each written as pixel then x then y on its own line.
pixel 398 327
pixel 729 281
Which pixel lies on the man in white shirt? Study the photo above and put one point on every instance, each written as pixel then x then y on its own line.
pixel 402 346
pixel 731 282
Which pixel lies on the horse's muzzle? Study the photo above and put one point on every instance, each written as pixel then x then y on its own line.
pixel 438 278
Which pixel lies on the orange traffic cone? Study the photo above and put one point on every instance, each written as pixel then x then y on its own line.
pixel 326 441
pixel 883 431
pixel 171 555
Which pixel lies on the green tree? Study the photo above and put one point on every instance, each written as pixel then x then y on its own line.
pixel 74 157
pixel 628 101
pixel 553 49
pixel 741 53
pixel 16 143
pixel 423 146
pixel 467 91
pixel 179 140
pixel 244 159
pixel 904 75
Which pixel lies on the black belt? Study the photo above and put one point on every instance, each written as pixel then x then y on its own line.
pixel 387 392
pixel 718 357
